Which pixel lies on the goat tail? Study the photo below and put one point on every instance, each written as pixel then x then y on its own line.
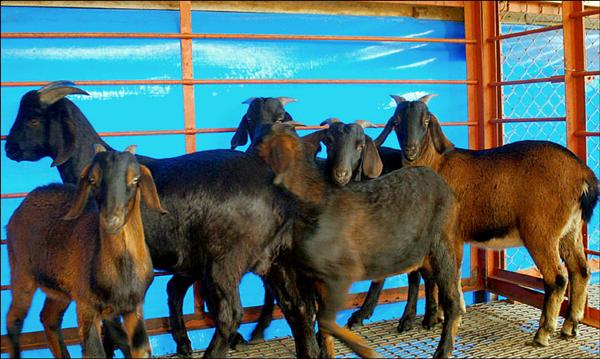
pixel 589 197
pixel 353 341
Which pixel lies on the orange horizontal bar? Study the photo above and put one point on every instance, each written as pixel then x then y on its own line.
pixel 532 119
pixel 243 82
pixel 553 79
pixel 586 134
pixel 527 32
pixel 585 13
pixel 586 73
pixel 132 35
pixel 13 195
pixel 592 252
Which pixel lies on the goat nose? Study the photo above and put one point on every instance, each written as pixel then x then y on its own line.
pixel 341 173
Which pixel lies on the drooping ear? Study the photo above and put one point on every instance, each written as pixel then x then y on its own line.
pixel 280 154
pixel 241 135
pixel 371 162
pixel 81 197
pixel 441 143
pixel 149 193
pixel 312 142
pixel 61 138
pixel 51 94
pixel 389 126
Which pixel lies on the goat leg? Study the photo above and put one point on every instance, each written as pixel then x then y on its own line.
pixel 177 287
pixel 368 306
pixel 266 316
pixel 410 310
pixel 114 337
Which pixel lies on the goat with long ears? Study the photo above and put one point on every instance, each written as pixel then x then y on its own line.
pixel 58 241
pixel 363 241
pixel 535 194
pixel 227 219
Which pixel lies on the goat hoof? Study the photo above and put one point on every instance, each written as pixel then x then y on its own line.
pixel 355 321
pixel 257 338
pixel 430 322
pixel 569 329
pixel 238 342
pixel 184 349
pixel 537 343
pixel 440 353
pixel 405 324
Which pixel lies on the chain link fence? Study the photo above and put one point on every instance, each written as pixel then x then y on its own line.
pixel 541 55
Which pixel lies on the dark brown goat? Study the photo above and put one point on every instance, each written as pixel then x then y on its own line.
pixel 96 257
pixel 362 240
pixel 535 194
pixel 350 155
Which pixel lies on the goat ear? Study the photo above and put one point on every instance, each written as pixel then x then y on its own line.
pixel 281 155
pixel 149 193
pixel 389 126
pixel 371 162
pixel 240 137
pixel 50 95
pixel 441 143
pixel 312 142
pixel 81 197
pixel 61 138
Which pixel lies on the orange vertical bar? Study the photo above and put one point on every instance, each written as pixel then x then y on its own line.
pixel 484 100
pixel 189 114
pixel 574 45
pixel 574 54
pixel 187 73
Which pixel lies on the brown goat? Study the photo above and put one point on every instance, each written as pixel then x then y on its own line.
pixel 346 234
pixel 94 253
pixel 535 194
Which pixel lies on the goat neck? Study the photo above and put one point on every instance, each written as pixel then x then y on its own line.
pixel 305 182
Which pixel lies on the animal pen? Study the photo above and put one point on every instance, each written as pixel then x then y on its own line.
pixel 528 70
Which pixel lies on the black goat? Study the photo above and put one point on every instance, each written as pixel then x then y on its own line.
pixel 536 194
pixel 226 219
pixel 362 240
pixel 94 254
pixel 350 154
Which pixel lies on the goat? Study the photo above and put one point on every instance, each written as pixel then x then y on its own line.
pixel 512 196
pixel 226 219
pixel 363 241
pixel 351 153
pixel 96 257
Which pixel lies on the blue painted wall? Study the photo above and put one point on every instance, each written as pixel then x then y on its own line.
pixel 120 108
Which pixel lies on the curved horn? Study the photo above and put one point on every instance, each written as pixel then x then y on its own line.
pixel 55 93
pixel 425 99
pixel 296 123
pixel 99 148
pixel 398 99
pixel 330 121
pixel 55 84
pixel 365 123
pixel 249 101
pixel 285 100
pixel 131 149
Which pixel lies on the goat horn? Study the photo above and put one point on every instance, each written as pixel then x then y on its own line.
pixel 99 148
pixel 425 99
pixel 54 84
pixel 131 149
pixel 295 123
pixel 249 101
pixel 364 123
pixel 398 99
pixel 285 100
pixel 330 121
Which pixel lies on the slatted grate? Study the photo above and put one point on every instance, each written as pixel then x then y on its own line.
pixel 497 329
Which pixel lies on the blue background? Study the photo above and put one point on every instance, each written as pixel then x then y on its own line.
pixel 146 107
